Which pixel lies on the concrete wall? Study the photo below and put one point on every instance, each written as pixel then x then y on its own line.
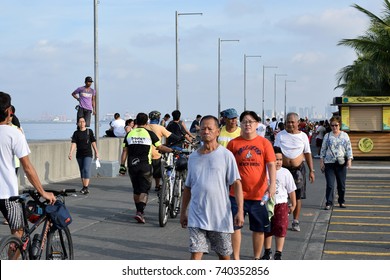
pixel 50 159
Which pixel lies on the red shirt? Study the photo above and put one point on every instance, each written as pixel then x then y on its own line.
pixel 252 157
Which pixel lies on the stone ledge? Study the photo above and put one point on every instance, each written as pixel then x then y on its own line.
pixel 107 169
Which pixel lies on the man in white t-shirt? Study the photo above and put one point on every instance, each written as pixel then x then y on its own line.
pixel 117 127
pixel 13 143
pixel 261 129
pixel 212 170
pixel 296 151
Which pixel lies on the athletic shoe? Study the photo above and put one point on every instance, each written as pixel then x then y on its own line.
pixel 316 156
pixel 327 207
pixel 84 190
pixel 139 217
pixel 278 256
pixel 267 256
pixel 295 226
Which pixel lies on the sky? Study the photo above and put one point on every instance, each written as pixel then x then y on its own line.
pixel 47 49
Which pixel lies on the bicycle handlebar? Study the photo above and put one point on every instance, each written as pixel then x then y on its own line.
pixel 35 195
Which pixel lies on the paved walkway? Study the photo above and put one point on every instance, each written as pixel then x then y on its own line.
pixel 103 227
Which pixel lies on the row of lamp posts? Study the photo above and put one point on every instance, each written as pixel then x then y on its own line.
pixel 96 76
pixel 219 71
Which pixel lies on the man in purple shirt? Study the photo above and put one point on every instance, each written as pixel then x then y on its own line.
pixel 86 97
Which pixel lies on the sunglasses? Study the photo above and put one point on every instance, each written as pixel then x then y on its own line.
pixel 334 125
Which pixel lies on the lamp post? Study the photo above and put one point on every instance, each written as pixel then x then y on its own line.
pixel 96 69
pixel 276 75
pixel 177 52
pixel 262 107
pixel 219 71
pixel 285 96
pixel 245 57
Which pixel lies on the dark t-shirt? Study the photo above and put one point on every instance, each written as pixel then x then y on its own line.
pixel 83 140
pixel 178 130
pixel 193 126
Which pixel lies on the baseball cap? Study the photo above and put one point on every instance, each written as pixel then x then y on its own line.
pixel 230 113
pixel 88 79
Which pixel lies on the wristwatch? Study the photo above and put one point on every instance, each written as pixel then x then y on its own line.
pixel 312 171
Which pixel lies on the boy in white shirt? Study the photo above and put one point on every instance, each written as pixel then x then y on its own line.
pixel 285 187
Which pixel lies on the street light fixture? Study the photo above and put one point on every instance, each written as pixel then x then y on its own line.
pixel 177 52
pixel 262 107
pixel 276 75
pixel 219 71
pixel 245 57
pixel 285 96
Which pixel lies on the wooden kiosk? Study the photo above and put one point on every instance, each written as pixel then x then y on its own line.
pixel 366 119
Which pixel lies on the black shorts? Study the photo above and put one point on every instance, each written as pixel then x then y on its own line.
pixel 141 177
pixel 299 175
pixel 156 164
pixel 86 114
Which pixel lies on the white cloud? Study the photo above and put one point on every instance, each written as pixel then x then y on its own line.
pixel 308 58
pixel 331 23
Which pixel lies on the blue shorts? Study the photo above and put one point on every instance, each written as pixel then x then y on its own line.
pixel 258 215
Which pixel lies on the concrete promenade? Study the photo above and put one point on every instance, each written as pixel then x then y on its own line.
pixel 103 227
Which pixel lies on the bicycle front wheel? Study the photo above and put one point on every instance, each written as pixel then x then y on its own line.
pixel 163 207
pixel 11 248
pixel 59 245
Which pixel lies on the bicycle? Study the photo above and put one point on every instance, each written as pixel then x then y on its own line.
pixel 174 175
pixel 59 245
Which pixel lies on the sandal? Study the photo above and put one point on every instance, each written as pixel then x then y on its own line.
pixel 157 188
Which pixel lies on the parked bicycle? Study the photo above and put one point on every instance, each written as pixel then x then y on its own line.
pixel 51 244
pixel 174 176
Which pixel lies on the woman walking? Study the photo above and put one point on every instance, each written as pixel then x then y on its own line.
pixel 84 140
pixel 335 157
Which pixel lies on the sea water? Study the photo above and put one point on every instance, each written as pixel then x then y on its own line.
pixel 60 130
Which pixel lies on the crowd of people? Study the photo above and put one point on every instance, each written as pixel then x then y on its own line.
pixel 243 167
